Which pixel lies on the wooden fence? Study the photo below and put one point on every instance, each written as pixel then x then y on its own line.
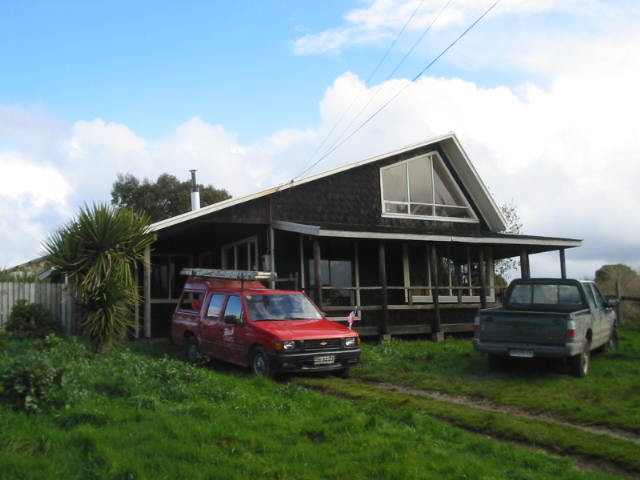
pixel 53 296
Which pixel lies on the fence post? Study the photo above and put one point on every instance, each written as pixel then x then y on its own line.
pixel 619 306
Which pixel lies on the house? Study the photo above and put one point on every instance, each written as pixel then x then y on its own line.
pixel 409 238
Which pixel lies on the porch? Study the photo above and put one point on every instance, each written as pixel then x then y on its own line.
pixel 399 284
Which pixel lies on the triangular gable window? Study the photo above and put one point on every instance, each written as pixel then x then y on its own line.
pixel 423 187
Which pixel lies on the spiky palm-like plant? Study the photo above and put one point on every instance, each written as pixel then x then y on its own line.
pixel 99 251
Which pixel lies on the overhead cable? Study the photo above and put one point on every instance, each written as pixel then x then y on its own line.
pixel 374 114
pixel 344 113
pixel 379 90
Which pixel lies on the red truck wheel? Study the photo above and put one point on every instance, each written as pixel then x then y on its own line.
pixel 260 364
pixel 191 350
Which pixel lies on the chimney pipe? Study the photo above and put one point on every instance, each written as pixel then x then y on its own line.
pixel 195 194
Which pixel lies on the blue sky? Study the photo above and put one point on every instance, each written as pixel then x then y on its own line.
pixel 541 94
pixel 152 65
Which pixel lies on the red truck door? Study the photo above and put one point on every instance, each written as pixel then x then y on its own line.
pixel 187 314
pixel 211 327
pixel 233 330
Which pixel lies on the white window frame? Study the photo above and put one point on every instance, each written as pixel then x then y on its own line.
pixel 430 156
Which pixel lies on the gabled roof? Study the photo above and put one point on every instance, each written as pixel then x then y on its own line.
pixel 449 144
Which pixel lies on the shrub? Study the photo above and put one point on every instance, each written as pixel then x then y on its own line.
pixel 3 340
pixel 32 383
pixel 31 320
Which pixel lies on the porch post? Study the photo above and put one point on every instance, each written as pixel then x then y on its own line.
pixel 272 254
pixel 436 334
pixel 483 278
pixel 525 272
pixel 136 308
pixel 382 273
pixel 563 264
pixel 317 273
pixel 356 267
pixel 303 284
pixel 147 292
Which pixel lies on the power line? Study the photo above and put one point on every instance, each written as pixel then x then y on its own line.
pixel 384 85
pixel 374 114
pixel 344 113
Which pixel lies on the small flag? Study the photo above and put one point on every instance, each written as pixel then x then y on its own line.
pixel 352 317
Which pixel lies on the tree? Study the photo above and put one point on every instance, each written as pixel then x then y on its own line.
pixel 164 198
pixel 99 251
pixel 627 278
pixel 514 226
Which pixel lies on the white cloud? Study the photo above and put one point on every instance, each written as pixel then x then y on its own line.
pixel 566 151
pixel 383 19
pixel 29 195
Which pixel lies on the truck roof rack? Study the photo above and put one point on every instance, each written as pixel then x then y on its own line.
pixel 228 274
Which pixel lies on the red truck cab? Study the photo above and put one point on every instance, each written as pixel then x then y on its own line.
pixel 232 316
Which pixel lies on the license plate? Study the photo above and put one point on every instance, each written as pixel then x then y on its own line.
pixel 324 360
pixel 521 353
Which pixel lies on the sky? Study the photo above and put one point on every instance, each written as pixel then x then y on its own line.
pixel 544 97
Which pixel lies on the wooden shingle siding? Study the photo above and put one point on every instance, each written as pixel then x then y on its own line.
pixel 346 200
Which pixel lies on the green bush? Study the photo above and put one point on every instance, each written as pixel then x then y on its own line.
pixel 3 340
pixel 31 320
pixel 32 383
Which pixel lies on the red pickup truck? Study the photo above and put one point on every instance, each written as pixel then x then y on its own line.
pixel 232 316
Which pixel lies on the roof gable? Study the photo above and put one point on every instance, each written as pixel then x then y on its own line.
pixel 477 192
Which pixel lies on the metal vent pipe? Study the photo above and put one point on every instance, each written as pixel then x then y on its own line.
pixel 195 194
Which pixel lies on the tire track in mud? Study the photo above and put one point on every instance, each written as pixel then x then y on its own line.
pixel 582 462
pixel 492 407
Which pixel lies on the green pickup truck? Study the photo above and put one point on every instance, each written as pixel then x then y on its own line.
pixel 544 317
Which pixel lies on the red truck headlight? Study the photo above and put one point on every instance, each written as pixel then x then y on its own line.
pixel 351 342
pixel 286 346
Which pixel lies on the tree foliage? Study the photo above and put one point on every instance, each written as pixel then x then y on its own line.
pixel 164 198
pixel 99 252
pixel 514 226
pixel 628 281
pixel 627 278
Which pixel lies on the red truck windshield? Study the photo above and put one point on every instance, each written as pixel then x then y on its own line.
pixel 281 306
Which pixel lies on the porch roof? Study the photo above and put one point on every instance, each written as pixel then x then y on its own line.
pixel 505 245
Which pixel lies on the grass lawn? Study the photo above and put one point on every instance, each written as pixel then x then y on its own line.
pixel 133 415
pixel 609 396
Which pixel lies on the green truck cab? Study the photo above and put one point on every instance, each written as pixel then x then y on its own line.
pixel 547 318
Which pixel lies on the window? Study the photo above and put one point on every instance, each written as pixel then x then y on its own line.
pixel 242 255
pixel 458 274
pixel 335 273
pixel 233 312
pixel 285 306
pixel 597 296
pixel 166 281
pixel 215 306
pixel 191 301
pixel 530 295
pixel 423 188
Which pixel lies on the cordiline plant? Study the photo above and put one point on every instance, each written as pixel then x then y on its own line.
pixel 99 251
